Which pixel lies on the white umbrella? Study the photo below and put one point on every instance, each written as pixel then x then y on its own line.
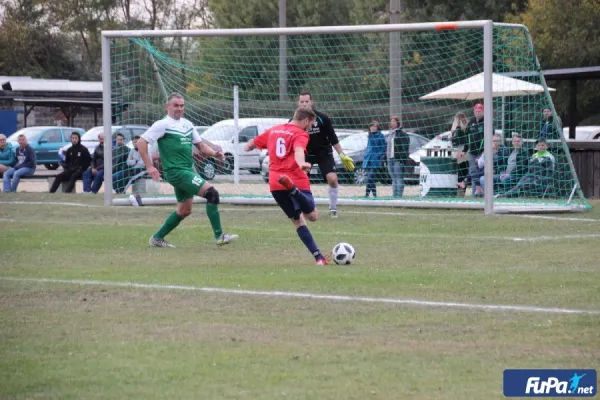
pixel 472 88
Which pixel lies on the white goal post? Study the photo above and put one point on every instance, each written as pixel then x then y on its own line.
pixel 483 29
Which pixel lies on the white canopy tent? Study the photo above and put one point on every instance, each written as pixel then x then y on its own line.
pixel 472 88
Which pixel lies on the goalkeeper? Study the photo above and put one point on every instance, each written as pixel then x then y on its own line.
pixel 322 139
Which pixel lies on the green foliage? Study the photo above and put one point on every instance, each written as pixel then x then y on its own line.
pixel 566 34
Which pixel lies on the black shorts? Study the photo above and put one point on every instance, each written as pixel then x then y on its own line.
pixel 288 204
pixel 325 162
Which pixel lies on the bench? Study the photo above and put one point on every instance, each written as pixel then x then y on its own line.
pixel 50 179
pixel 145 185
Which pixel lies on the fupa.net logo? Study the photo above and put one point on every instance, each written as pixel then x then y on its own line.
pixel 550 383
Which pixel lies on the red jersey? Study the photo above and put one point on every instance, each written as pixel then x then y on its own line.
pixel 280 141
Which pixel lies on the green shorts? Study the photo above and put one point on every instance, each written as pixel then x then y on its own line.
pixel 187 184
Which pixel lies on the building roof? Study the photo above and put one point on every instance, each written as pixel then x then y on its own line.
pixel 28 84
pixel 561 74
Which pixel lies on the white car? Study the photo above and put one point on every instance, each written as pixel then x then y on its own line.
pixel 584 132
pixel 223 134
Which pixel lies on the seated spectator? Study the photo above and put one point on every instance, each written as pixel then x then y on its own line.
pixel 135 169
pixel 496 162
pixel 511 165
pixel 94 175
pixel 540 173
pixel 77 161
pixel 7 155
pixel 24 166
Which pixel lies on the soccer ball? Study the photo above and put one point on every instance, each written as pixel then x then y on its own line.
pixel 343 253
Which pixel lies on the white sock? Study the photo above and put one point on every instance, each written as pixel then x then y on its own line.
pixel 333 197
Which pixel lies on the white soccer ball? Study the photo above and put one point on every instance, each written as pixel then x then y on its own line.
pixel 343 253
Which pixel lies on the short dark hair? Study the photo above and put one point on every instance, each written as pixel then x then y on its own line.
pixel 302 113
pixel 136 137
pixel 305 94
pixel 120 134
pixel 174 95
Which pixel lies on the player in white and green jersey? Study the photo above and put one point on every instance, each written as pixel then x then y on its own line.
pixel 176 137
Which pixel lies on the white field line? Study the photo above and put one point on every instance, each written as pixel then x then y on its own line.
pixel 234 228
pixel 311 296
pixel 389 213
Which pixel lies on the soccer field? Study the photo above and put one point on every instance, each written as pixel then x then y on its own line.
pixel 437 304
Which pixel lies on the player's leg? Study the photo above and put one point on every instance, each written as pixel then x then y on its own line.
pixel 184 208
pixel 184 193
pixel 327 167
pixel 292 210
pixel 214 216
pixel 307 204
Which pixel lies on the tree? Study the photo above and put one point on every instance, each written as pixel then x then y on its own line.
pixel 566 34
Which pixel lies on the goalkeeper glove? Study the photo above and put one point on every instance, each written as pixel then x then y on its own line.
pixel 347 161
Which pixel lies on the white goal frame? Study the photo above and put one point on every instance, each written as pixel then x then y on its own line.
pixel 485 25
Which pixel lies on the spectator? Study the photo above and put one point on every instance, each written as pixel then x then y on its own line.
pixel 7 155
pixel 540 173
pixel 398 144
pixel 460 141
pixel 512 165
pixel 94 175
pixel 549 128
pixel 475 138
pixel 497 162
pixel 135 169
pixel 24 166
pixel 374 154
pixel 77 161
pixel 120 153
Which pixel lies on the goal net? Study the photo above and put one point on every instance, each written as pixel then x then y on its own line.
pixel 432 77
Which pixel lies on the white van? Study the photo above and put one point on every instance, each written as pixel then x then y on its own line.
pixel 223 134
pixel 590 132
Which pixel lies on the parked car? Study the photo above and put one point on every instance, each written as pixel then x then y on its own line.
pixel 355 146
pixel 584 132
pixel 222 134
pixel 46 141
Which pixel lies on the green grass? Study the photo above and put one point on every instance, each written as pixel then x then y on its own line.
pixel 68 341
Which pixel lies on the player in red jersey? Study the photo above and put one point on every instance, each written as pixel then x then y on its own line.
pixel 288 181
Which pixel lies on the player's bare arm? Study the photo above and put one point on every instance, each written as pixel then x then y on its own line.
pixel 250 145
pixel 208 151
pixel 300 158
pixel 150 168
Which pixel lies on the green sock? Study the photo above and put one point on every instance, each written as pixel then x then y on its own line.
pixel 170 223
pixel 212 210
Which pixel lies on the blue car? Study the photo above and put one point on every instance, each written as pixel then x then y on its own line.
pixel 46 141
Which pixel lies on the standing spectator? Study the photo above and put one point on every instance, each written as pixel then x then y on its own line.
pixel 398 144
pixel 475 137
pixel 460 141
pixel 549 128
pixel 374 154
pixel 25 165
pixel 7 155
pixel 135 169
pixel 94 175
pixel 77 161
pixel 120 153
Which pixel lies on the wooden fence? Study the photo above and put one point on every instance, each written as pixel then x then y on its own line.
pixel 586 160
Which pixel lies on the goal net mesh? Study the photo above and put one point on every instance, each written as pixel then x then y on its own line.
pixel 438 78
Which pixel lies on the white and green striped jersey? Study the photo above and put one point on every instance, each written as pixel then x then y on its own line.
pixel 175 139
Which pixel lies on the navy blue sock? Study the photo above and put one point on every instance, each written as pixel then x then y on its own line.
pixel 306 204
pixel 308 241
